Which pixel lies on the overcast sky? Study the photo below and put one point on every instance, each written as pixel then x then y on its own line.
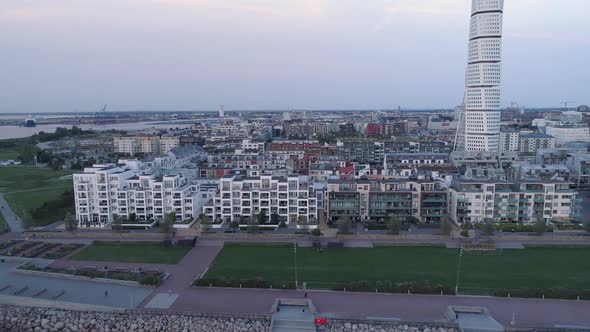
pixel 68 55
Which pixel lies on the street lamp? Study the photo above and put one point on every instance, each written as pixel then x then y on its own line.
pixel 458 270
pixel 295 263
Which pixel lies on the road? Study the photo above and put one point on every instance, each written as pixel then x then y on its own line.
pixel 13 221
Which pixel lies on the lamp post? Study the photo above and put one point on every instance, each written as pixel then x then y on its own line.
pixel 295 263
pixel 458 270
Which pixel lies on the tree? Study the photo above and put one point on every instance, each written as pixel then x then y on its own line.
pixel 168 225
pixel 253 227
pixel 301 220
pixel 282 224
pixel 275 219
pixel 70 222
pixel 394 225
pixel 262 217
pixel 316 232
pixel 539 227
pixel 344 225
pixel 205 224
pixel 413 220
pixel 234 225
pixel 445 226
pixel 488 228
pixel 117 222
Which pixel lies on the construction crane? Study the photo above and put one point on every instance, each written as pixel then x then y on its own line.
pixel 565 103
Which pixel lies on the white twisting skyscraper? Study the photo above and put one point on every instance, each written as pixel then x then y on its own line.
pixel 479 120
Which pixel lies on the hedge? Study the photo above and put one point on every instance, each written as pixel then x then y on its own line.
pixel 245 283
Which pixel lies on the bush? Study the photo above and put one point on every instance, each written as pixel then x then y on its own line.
pixel 123 276
pixel 549 293
pixel 465 233
pixel 316 232
pixel 151 280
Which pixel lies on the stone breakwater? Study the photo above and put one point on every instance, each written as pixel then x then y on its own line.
pixel 16 319
pixel 338 326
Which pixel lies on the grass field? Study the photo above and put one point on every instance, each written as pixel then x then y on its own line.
pixel 3 224
pixel 6 154
pixel 28 187
pixel 525 268
pixel 131 252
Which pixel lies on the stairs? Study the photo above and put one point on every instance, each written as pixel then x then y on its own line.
pixel 292 319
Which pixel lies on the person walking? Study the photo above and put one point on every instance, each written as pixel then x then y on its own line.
pixel 106 293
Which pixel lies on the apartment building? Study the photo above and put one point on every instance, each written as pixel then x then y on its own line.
pixel 569 133
pixel 103 192
pixel 530 143
pixel 241 198
pixel 145 144
pixel 373 200
pixel 477 201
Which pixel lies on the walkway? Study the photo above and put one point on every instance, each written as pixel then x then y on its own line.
pixel 11 218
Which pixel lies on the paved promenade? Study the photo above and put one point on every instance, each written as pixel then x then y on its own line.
pixel 11 218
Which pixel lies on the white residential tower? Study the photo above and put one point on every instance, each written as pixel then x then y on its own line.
pixel 479 123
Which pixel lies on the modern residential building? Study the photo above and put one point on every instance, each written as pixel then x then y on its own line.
pixel 103 192
pixel 479 122
pixel 509 140
pixel 569 133
pixel 242 198
pixel 476 201
pixel 374 200
pixel 145 144
pixel 530 143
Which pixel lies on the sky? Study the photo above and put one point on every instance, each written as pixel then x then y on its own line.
pixel 76 55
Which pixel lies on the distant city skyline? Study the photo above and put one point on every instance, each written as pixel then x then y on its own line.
pixel 63 56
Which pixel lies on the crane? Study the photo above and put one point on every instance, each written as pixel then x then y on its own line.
pixel 565 103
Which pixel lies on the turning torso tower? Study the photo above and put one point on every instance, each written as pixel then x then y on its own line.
pixel 479 123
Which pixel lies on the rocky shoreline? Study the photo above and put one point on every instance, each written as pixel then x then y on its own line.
pixel 14 318
pixel 342 326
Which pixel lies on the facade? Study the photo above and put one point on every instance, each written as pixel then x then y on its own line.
pixel 242 198
pixel 509 140
pixel 530 143
pixel 145 144
pixel 479 123
pixel 104 192
pixel 475 201
pixel 373 200
pixel 566 134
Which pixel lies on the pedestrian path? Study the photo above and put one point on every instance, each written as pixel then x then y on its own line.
pixel 11 218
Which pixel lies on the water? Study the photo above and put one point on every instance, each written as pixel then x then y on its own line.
pixel 18 132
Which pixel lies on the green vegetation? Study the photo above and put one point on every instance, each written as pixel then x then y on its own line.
pixel 37 195
pixel 3 225
pixel 538 267
pixel 131 252
pixel 6 154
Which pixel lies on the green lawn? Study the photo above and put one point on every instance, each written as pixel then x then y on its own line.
pixel 18 178
pixel 3 225
pixel 28 187
pixel 131 252
pixel 6 154
pixel 525 268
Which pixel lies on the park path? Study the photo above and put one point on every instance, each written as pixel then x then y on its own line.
pixel 11 218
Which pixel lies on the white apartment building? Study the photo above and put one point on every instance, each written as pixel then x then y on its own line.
pixel 479 123
pixel 241 198
pixel 566 134
pixel 477 201
pixel 103 192
pixel 509 140
pixel 145 144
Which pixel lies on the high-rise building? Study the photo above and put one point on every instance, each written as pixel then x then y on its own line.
pixel 479 123
pixel 221 111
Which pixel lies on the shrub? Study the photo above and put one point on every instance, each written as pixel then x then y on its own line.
pixel 123 276
pixel 316 232
pixel 151 280
pixel 465 233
